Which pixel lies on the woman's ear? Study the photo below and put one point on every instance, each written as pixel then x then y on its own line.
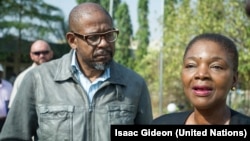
pixel 235 79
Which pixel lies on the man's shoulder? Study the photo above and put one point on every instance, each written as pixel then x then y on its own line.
pixel 22 74
pixel 124 73
pixel 121 68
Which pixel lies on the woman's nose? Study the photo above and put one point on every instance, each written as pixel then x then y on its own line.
pixel 202 72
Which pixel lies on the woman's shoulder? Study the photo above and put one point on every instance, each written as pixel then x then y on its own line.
pixel 238 118
pixel 178 118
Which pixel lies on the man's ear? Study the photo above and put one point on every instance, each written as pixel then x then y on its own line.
pixel 71 40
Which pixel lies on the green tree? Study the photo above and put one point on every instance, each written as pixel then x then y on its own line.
pixel 177 15
pixel 142 35
pixel 31 19
pixel 123 23
pixel 28 20
pixel 81 1
pixel 105 3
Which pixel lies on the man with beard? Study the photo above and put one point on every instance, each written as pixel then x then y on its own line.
pixel 79 96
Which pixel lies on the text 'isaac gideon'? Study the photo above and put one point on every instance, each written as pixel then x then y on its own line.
pixel 143 132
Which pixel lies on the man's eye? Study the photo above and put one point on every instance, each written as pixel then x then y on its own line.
pixel 109 36
pixel 93 37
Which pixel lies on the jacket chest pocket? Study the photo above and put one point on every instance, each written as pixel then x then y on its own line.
pixel 56 123
pixel 122 114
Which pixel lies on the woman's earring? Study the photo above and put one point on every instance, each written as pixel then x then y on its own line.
pixel 233 88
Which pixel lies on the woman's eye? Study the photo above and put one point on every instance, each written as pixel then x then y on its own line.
pixel 190 66
pixel 217 67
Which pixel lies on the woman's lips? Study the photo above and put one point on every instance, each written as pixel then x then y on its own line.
pixel 202 90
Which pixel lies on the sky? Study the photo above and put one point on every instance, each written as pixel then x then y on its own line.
pixel 155 13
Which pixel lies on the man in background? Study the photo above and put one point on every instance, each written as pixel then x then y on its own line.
pixel 5 92
pixel 40 52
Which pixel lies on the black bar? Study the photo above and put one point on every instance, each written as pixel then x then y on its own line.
pixel 180 132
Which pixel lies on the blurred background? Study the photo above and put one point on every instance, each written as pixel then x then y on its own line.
pixel 152 39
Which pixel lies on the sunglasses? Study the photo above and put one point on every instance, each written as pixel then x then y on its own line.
pixel 41 52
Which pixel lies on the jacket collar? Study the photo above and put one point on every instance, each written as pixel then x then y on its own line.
pixel 65 71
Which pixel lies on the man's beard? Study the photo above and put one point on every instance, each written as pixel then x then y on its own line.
pixel 101 66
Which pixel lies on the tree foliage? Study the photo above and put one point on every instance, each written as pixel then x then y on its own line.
pixel 142 35
pixel 24 21
pixel 31 19
pixel 123 23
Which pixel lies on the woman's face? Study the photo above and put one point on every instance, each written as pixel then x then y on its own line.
pixel 207 74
